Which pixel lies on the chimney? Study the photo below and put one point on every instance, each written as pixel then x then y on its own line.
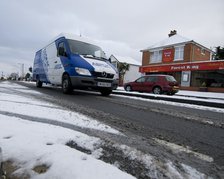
pixel 172 32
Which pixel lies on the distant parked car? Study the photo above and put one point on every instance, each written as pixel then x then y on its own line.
pixel 157 84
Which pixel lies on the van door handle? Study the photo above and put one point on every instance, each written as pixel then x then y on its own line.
pixel 56 62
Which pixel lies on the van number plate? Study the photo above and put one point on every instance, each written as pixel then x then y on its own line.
pixel 103 84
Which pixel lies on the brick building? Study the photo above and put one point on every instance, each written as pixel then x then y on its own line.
pixel 188 61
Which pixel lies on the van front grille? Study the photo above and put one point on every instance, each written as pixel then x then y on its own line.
pixel 102 75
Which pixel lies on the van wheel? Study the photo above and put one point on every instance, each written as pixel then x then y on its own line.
pixel 157 90
pixel 105 92
pixel 66 84
pixel 39 83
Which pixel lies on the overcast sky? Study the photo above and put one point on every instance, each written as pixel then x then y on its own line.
pixel 123 27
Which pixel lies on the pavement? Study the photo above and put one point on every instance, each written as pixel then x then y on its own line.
pixel 189 97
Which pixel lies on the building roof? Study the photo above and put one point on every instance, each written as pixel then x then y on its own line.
pixel 173 40
pixel 127 60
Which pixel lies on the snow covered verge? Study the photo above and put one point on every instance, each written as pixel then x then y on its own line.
pixel 186 95
pixel 28 144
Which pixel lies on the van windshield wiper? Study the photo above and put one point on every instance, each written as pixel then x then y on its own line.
pixel 94 57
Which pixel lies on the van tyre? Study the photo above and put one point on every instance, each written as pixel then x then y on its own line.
pixel 105 92
pixel 39 83
pixel 157 90
pixel 66 84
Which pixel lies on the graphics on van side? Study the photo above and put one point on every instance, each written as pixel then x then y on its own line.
pixel 45 62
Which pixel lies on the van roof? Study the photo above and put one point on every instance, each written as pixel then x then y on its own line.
pixel 75 37
pixel 72 37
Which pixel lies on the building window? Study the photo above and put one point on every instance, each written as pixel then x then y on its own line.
pixel 202 51
pixel 179 53
pixel 156 56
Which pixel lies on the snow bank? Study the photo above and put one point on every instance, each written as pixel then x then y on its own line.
pixel 29 144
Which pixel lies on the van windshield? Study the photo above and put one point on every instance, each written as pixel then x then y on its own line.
pixel 83 48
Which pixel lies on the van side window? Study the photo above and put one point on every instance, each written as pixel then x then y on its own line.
pixel 61 49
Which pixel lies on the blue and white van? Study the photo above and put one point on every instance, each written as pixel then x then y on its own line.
pixel 74 62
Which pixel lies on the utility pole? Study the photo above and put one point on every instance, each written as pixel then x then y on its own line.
pixel 22 70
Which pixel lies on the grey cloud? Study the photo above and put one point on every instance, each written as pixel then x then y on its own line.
pixel 124 27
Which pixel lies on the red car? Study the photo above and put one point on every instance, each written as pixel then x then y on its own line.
pixel 158 84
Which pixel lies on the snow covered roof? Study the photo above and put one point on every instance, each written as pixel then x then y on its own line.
pixel 127 60
pixel 173 40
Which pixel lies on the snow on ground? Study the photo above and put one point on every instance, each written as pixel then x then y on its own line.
pixel 30 144
pixel 177 149
pixel 176 104
pixel 192 95
pixel 201 94
pixel 46 110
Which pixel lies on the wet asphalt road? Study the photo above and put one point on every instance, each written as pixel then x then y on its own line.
pixel 179 125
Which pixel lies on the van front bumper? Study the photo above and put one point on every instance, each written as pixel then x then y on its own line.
pixel 95 83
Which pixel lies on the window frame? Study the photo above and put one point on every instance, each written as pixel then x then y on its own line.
pixel 179 53
pixel 156 58
pixel 202 51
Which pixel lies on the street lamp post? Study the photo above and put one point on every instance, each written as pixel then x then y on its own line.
pixel 22 70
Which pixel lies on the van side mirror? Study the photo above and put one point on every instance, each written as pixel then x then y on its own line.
pixel 61 52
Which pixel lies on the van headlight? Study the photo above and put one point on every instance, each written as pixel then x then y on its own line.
pixel 82 71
